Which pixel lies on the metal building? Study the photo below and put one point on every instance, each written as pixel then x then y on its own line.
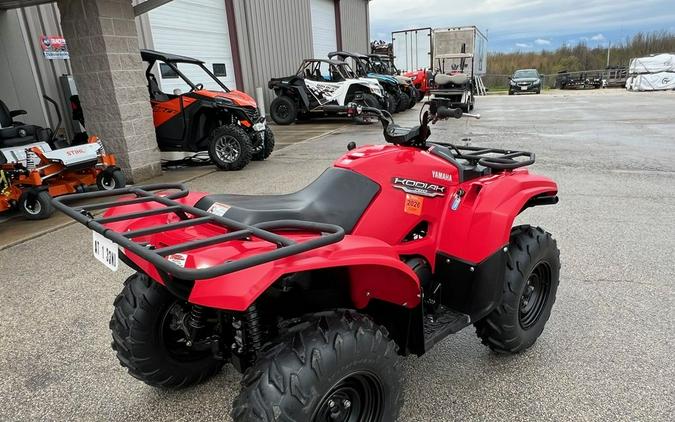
pixel 247 41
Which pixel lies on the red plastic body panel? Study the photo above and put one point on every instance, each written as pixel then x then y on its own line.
pixel 471 229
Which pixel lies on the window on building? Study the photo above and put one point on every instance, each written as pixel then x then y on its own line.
pixel 167 72
pixel 219 69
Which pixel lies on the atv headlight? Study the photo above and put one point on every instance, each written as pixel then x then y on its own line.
pixel 222 101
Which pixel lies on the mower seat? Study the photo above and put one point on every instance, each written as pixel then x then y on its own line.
pixel 338 196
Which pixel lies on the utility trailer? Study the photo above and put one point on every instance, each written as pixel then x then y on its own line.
pixel 467 40
pixel 578 80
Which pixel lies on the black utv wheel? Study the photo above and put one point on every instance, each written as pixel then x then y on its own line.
pixel 283 110
pixel 109 180
pixel 332 366
pixel 148 340
pixel 367 100
pixel 530 285
pixel 392 104
pixel 230 147
pixel 36 204
pixel 412 98
pixel 263 147
pixel 403 101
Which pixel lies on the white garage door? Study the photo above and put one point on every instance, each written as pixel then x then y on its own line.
pixel 193 28
pixel 323 28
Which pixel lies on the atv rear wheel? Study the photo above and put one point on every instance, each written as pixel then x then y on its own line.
pixel 283 110
pixel 392 104
pixel 332 366
pixel 149 343
pixel 262 150
pixel 36 204
pixel 109 180
pixel 230 147
pixel 530 285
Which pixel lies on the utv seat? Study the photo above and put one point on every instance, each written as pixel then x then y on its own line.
pixel 338 196
pixel 457 79
pixel 155 93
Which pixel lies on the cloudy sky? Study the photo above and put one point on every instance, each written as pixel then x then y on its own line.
pixel 526 25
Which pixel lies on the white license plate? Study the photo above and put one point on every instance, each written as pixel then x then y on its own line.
pixel 523 88
pixel 105 250
pixel 259 127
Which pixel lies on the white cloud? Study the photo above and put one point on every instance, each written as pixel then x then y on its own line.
pixel 598 37
pixel 523 45
pixel 541 41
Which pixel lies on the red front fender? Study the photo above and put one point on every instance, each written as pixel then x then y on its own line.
pixel 375 271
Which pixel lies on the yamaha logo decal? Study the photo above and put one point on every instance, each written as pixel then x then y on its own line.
pixel 416 187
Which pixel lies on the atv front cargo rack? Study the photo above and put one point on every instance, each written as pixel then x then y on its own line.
pixel 190 216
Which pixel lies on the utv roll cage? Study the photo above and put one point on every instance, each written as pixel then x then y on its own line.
pixel 339 70
pixel 189 216
pixel 361 62
pixel 152 56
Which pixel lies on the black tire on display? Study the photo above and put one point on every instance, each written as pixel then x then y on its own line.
pixel 230 147
pixel 530 285
pixel 262 152
pixel 283 110
pixel 36 204
pixel 403 101
pixel 147 344
pixel 332 366
pixel 109 180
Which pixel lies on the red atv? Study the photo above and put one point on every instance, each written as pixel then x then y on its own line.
pixel 422 79
pixel 317 294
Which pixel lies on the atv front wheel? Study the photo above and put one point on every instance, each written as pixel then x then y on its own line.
pixel 412 98
pixel 149 341
pixel 109 180
pixel 36 204
pixel 230 147
pixel 332 366
pixel 263 147
pixel 530 285
pixel 283 110
pixel 392 104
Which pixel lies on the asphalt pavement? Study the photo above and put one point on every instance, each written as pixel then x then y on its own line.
pixel 606 352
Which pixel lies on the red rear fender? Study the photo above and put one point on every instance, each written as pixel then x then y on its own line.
pixel 375 271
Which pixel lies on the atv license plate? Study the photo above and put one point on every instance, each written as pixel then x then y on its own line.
pixel 105 251
pixel 259 127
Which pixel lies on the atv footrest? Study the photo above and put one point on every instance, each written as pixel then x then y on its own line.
pixel 445 322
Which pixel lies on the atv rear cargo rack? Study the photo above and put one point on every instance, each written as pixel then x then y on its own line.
pixel 327 233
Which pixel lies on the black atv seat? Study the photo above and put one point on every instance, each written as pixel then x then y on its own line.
pixel 338 196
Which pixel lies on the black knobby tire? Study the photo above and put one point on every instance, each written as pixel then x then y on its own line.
pixel 283 110
pixel 109 180
pixel 317 361
pixel 367 100
pixel 230 147
pixel 262 152
pixel 530 285
pixel 403 101
pixel 36 204
pixel 392 104
pixel 143 344
pixel 412 98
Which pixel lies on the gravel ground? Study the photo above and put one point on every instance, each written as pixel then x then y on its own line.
pixel 606 353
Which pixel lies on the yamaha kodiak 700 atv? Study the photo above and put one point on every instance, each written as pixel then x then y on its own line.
pixel 316 295
pixel 224 122
pixel 319 83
